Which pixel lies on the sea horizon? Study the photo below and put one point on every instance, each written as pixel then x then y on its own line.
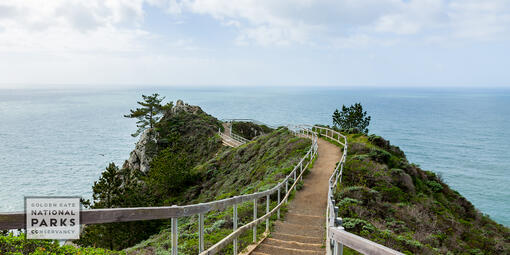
pixel 63 136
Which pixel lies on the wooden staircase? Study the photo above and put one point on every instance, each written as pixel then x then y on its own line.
pixel 303 229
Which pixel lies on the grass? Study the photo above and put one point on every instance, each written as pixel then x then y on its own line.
pixel 386 199
pixel 255 166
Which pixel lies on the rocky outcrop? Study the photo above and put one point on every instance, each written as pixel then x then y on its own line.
pixel 139 158
pixel 181 106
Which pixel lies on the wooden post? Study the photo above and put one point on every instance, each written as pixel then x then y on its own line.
pixel 286 190
pixel 295 181
pixel 278 213
pixel 254 218
pixel 300 172
pixel 267 211
pixel 200 232
pixel 235 228
pixel 174 236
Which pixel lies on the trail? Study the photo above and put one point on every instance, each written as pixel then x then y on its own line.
pixel 303 229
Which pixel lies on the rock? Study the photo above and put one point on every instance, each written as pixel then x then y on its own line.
pixel 139 158
pixel 181 106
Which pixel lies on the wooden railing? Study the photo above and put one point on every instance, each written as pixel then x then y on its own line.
pixel 336 236
pixel 249 120
pixel 16 220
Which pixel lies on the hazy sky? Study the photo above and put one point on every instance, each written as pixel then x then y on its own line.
pixel 255 42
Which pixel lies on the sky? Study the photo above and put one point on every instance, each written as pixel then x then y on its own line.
pixel 410 43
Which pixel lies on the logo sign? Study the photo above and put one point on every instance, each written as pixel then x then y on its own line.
pixel 52 217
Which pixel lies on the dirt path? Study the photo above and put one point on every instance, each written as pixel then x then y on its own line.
pixel 303 229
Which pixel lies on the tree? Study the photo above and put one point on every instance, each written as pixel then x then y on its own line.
pixel 149 114
pixel 118 188
pixel 352 117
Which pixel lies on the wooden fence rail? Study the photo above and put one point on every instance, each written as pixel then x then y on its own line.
pixel 16 220
pixel 336 237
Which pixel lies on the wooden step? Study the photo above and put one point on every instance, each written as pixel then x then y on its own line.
pixel 305 219
pixel 294 244
pixel 297 238
pixel 299 229
pixel 276 250
pixel 259 253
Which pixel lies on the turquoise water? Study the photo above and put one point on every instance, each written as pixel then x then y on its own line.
pixel 57 142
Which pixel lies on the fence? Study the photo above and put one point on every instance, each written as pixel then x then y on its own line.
pixel 336 237
pixel 96 216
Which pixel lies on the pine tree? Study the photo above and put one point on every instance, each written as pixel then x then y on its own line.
pixel 351 118
pixel 149 114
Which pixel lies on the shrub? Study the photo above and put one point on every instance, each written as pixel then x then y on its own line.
pixel 380 156
pixel 16 245
pixel 435 186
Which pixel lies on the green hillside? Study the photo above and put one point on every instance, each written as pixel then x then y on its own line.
pixel 255 166
pixel 385 198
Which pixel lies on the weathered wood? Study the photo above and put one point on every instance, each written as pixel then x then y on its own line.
pixel 13 220
pixel 175 236
pixel 235 228
pixel 16 220
pixel 359 244
pixel 225 241
pixel 201 232
pixel 255 218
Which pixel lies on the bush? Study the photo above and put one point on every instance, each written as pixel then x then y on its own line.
pixel 15 245
pixel 380 156
pixel 435 186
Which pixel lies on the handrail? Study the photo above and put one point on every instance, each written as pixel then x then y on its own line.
pixel 231 141
pixel 16 220
pixel 234 235
pixel 248 120
pixel 336 236
pixel 239 138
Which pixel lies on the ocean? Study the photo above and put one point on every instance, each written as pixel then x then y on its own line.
pixel 57 142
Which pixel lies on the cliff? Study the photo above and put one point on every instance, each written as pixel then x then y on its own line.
pixel 385 198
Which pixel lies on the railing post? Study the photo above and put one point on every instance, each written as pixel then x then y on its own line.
pixel 254 218
pixel 201 232
pixel 267 211
pixel 174 236
pixel 286 190
pixel 301 171
pixel 295 181
pixel 278 212
pixel 235 228
pixel 339 247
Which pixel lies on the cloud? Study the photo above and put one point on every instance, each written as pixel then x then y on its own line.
pixel 308 22
pixel 109 40
pixel 93 25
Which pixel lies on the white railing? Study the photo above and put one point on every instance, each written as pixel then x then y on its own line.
pixel 238 138
pixel 229 140
pixel 336 236
pixel 249 120
pixel 295 176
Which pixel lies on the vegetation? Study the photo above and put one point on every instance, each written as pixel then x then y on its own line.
pixel 189 165
pixel 352 119
pixel 17 245
pixel 149 114
pixel 185 139
pixel 384 198
pixel 249 130
pixel 255 166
